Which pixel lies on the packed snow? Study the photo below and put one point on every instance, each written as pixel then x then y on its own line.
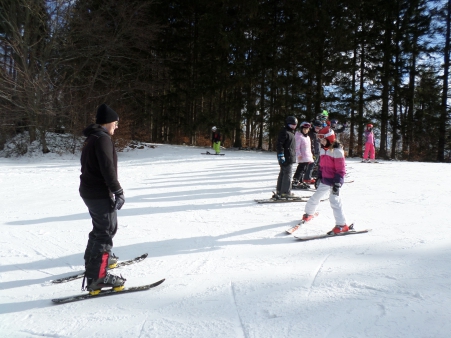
pixel 230 268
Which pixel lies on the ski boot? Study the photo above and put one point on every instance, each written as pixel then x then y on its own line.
pixel 338 229
pixel 311 181
pixel 302 185
pixel 112 261
pixel 109 281
pixel 307 217
pixel 288 195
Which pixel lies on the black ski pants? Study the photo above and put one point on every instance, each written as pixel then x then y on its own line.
pixel 303 171
pixel 100 242
pixel 284 179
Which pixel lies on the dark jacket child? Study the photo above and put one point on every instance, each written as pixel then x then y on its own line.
pixel 286 155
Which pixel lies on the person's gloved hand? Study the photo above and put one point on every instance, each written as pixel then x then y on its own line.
pixel 119 199
pixel 281 158
pixel 336 189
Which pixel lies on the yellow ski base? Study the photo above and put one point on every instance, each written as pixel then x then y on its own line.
pixel 116 289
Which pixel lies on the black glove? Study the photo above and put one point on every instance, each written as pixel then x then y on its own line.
pixel 119 199
pixel 336 189
pixel 281 158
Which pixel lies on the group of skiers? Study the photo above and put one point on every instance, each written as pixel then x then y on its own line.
pixel 316 144
pixel 103 194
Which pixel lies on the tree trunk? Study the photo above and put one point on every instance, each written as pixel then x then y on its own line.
pixel 443 113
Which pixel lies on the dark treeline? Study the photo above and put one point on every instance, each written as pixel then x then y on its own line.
pixel 173 69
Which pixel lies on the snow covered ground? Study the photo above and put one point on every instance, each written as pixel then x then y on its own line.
pixel 230 269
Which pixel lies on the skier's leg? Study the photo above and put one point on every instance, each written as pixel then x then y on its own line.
pixel 308 171
pixel 372 152
pixel 279 180
pixel 300 169
pixel 367 150
pixel 217 147
pixel 298 172
pixel 337 207
pixel 287 170
pixel 313 201
pixel 100 242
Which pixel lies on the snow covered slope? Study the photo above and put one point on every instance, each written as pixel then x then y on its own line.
pixel 230 269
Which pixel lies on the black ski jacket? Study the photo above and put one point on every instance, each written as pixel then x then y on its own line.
pixel 286 144
pixel 315 142
pixel 216 137
pixel 98 177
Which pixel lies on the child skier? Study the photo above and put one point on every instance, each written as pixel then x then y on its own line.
pixel 331 174
pixel 286 155
pixel 369 144
pixel 216 140
pixel 304 156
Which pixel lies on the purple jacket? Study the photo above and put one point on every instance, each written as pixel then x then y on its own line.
pixel 332 165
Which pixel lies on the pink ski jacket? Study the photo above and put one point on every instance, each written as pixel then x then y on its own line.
pixel 303 148
pixel 369 137
pixel 332 167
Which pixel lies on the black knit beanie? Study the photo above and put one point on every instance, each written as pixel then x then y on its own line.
pixel 106 115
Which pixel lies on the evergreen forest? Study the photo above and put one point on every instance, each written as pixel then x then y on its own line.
pixel 173 69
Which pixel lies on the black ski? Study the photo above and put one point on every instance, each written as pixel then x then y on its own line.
pixel 287 199
pixel 208 153
pixel 284 200
pixel 350 232
pixel 81 274
pixel 104 293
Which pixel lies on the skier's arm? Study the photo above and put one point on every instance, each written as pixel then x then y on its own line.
pixel 104 150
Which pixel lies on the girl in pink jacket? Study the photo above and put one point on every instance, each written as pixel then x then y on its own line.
pixel 331 174
pixel 369 144
pixel 304 156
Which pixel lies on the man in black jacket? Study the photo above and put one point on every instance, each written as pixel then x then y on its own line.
pixel 286 155
pixel 103 195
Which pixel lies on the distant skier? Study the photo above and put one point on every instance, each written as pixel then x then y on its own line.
pixel 304 156
pixel 286 155
pixel 98 185
pixel 323 117
pixel 331 174
pixel 216 140
pixel 370 146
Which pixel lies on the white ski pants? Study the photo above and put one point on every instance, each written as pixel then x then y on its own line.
pixel 335 203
